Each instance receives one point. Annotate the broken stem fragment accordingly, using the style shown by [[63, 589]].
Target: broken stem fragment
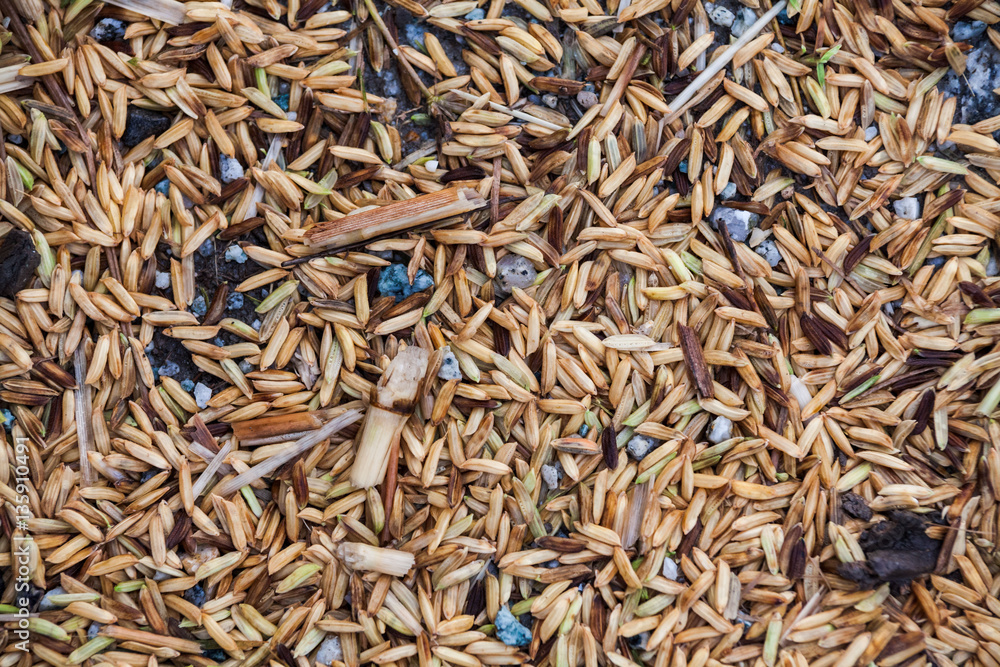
[[367, 558], [83, 410], [301, 446], [393, 401]]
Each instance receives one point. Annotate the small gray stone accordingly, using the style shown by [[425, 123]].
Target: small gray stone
[[871, 132], [744, 20], [46, 604], [907, 207], [509, 630], [551, 474], [550, 101], [722, 430], [198, 306], [230, 168], [202, 395], [477, 14], [169, 369], [162, 279], [721, 16], [736, 221], [450, 369], [329, 651], [891, 307], [640, 445], [111, 30], [207, 248], [993, 266], [670, 570], [587, 98], [964, 31], [769, 251], [514, 270]]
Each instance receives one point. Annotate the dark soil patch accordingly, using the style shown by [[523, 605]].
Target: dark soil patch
[[897, 551], [856, 506]]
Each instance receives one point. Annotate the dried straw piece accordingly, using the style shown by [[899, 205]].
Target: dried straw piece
[[168, 11], [395, 217]]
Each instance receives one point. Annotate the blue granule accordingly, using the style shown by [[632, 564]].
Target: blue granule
[[216, 655], [163, 187], [198, 306], [235, 301], [108, 30], [393, 281], [282, 101], [187, 385], [196, 596], [169, 369], [510, 631]]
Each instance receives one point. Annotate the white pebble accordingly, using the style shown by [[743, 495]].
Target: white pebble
[[777, 48], [202, 395], [449, 369], [431, 165], [907, 207], [162, 280], [670, 570], [722, 430], [871, 132], [719, 15], [234, 253], [514, 270], [329, 651]]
